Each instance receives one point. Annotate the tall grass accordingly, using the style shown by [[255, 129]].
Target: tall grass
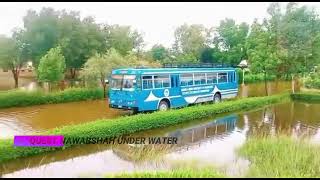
[[178, 169], [281, 157], [131, 124], [175, 173], [19, 98]]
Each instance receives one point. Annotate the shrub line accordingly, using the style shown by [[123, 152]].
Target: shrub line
[[20, 98], [306, 97]]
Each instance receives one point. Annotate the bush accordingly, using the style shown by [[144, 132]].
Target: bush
[[309, 97], [252, 78], [312, 83], [19, 98], [130, 124]]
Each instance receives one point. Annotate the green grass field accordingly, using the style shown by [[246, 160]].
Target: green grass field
[[281, 157]]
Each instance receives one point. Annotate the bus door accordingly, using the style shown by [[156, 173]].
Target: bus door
[[231, 77], [175, 88]]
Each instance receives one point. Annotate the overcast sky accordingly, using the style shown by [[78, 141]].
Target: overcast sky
[[157, 20]]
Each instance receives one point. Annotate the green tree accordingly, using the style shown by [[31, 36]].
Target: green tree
[[132, 60], [123, 39], [186, 58], [99, 67], [41, 32], [190, 40], [287, 43], [262, 56], [79, 39], [209, 55], [52, 66], [13, 54], [159, 52], [300, 30], [295, 38], [230, 41]]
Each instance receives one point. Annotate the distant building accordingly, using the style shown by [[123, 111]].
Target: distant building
[[28, 67]]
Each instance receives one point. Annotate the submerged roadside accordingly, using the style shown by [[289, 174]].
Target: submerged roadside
[[131, 124]]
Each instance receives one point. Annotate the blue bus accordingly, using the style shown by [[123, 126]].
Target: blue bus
[[149, 89]]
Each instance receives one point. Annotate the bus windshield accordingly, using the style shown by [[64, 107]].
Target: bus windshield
[[122, 82]]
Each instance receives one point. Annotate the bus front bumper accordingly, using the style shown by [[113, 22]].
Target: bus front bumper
[[123, 107]]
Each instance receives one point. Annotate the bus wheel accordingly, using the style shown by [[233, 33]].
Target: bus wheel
[[217, 98], [163, 106], [135, 111]]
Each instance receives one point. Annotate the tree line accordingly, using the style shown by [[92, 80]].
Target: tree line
[[286, 44], [77, 39]]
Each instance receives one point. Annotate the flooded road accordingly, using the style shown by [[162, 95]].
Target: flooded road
[[26, 120], [210, 142]]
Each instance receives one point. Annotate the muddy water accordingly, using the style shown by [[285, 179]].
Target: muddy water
[[201, 143], [263, 89], [26, 81], [26, 120], [14, 121]]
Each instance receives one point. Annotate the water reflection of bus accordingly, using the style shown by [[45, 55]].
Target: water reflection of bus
[[187, 137], [219, 127]]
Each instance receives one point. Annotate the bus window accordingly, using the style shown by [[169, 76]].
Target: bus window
[[161, 81], [147, 82], [222, 77], [128, 82], [199, 78], [166, 81], [211, 78], [186, 80], [173, 84], [116, 81]]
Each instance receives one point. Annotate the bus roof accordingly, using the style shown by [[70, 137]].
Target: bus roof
[[168, 70]]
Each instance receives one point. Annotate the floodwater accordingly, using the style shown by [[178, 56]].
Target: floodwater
[[264, 89], [26, 120], [201, 143], [26, 81], [209, 142]]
